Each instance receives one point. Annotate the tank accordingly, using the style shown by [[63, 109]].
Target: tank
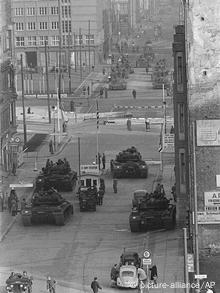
[[153, 211], [57, 175], [118, 84], [87, 199], [47, 207], [160, 75], [129, 164]]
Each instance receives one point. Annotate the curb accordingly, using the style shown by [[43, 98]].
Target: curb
[[3, 235]]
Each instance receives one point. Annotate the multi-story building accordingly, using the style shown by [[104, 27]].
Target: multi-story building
[[39, 22], [9, 150]]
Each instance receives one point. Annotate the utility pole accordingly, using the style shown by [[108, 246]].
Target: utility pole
[[74, 44], [165, 110], [22, 96], [60, 47], [195, 216], [47, 84], [80, 53], [79, 157], [89, 45], [69, 57]]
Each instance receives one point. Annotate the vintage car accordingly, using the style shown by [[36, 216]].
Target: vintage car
[[18, 283], [128, 277], [138, 196]]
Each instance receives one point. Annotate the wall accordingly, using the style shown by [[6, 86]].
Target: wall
[[204, 95]]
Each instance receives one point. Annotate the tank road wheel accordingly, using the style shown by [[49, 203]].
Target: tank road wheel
[[135, 227], [59, 219], [26, 221]]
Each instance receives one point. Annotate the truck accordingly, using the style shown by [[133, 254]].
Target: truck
[[154, 211], [129, 164], [47, 207]]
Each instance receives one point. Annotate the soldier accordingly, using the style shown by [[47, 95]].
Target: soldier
[[100, 197], [23, 204], [103, 161], [114, 274], [154, 275], [51, 147], [51, 285], [115, 185]]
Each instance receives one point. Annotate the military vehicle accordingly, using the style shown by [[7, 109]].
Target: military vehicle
[[47, 207], [87, 198], [57, 175], [142, 62], [138, 196], [153, 212], [17, 283], [117, 84], [129, 163], [160, 75]]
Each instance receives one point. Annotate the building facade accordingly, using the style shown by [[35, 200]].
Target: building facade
[[9, 149], [37, 22]]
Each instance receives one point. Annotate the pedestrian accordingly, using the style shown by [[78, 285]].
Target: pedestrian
[[103, 161], [114, 275], [29, 110], [98, 160], [93, 67], [95, 285], [14, 207], [129, 124], [172, 130], [51, 146], [88, 90], [100, 196], [134, 93], [14, 169], [115, 185], [142, 278], [103, 71], [147, 124], [101, 93], [23, 204], [51, 284], [64, 126], [154, 275]]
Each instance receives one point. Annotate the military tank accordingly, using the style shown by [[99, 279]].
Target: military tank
[[129, 164], [57, 175], [47, 207], [160, 75], [154, 211]]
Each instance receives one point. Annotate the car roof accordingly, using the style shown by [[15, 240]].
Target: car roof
[[140, 191], [128, 268]]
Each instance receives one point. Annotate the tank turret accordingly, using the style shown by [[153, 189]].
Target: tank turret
[[49, 197]]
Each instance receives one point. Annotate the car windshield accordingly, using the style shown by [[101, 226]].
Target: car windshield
[[127, 274]]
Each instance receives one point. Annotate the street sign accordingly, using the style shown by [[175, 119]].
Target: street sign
[[200, 277], [21, 185], [17, 139], [146, 254], [147, 261], [190, 262]]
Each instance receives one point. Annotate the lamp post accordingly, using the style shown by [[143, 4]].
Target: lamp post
[[22, 95]]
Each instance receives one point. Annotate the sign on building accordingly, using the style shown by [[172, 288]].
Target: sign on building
[[190, 263], [208, 132], [168, 143], [92, 169], [212, 201], [208, 218]]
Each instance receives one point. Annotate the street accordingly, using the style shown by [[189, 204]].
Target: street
[[92, 242]]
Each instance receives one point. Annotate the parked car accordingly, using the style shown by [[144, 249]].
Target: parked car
[[128, 277]]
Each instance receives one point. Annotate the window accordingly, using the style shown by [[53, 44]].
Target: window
[[19, 11], [32, 41], [31, 11], [43, 39], [91, 38], [19, 42], [55, 41], [43, 10], [31, 26], [43, 25], [179, 71], [55, 25], [19, 26], [182, 170], [54, 10], [66, 26], [78, 38], [181, 120]]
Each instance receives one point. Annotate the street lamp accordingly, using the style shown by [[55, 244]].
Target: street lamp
[[54, 127]]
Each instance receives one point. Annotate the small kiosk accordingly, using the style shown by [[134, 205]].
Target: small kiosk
[[90, 176]]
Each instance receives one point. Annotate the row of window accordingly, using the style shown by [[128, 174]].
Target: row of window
[[65, 10], [43, 25], [52, 41]]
